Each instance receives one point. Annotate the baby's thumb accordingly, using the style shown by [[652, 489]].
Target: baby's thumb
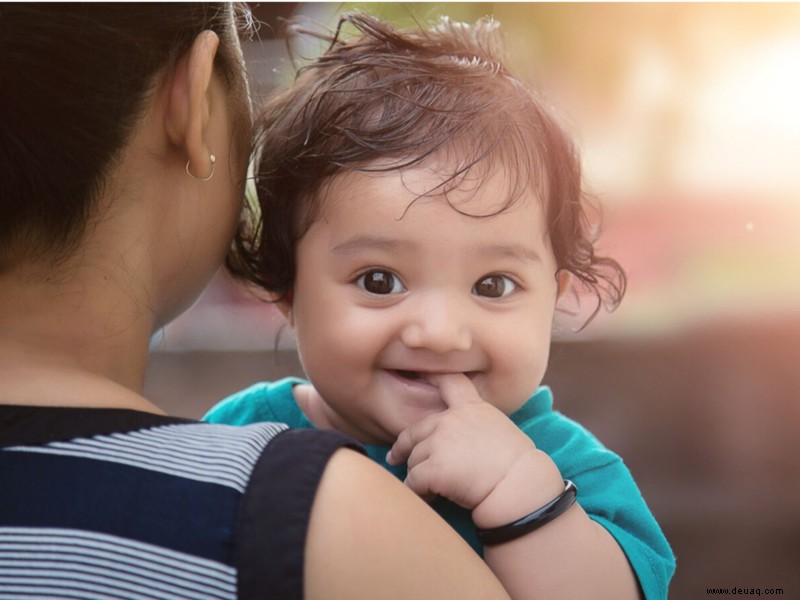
[[304, 395], [312, 405]]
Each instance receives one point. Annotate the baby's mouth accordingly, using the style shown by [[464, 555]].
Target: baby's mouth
[[423, 377], [412, 375]]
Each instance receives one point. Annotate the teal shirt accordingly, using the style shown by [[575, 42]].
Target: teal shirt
[[606, 489]]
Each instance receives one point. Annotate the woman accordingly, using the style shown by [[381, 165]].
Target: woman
[[123, 159]]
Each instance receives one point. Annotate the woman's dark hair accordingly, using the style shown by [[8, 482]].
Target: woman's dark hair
[[403, 96], [73, 80]]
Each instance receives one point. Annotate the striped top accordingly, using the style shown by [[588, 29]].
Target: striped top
[[100, 504]]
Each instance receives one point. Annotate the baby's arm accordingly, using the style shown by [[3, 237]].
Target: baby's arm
[[475, 456]]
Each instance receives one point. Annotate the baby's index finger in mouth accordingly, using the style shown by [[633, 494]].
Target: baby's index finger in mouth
[[456, 388]]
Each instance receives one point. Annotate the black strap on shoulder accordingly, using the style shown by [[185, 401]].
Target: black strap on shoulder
[[34, 425], [275, 511]]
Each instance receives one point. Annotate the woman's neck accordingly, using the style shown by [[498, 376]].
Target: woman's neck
[[72, 337]]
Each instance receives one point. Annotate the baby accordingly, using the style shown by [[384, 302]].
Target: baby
[[421, 216]]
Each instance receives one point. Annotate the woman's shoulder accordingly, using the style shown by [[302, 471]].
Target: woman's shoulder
[[219, 503]]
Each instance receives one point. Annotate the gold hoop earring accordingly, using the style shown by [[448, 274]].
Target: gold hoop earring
[[212, 159]]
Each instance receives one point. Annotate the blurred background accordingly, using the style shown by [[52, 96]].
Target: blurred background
[[688, 119]]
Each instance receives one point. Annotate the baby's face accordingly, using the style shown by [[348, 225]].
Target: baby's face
[[390, 290]]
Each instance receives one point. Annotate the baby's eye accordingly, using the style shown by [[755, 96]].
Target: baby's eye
[[379, 281], [494, 286]]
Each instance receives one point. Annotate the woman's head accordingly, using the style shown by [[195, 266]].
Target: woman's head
[[389, 100], [75, 81]]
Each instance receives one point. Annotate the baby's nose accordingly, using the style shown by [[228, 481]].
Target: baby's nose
[[438, 326]]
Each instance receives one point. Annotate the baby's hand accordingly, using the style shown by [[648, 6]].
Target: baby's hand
[[470, 451], [312, 405]]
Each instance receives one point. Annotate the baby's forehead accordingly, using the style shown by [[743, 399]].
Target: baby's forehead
[[397, 213], [459, 178], [483, 189]]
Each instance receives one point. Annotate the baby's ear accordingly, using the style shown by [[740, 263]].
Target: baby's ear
[[284, 305], [564, 281]]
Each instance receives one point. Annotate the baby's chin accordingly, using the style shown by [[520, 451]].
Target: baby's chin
[[416, 416], [378, 434], [386, 434]]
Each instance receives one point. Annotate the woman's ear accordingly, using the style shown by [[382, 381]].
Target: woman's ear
[[187, 115]]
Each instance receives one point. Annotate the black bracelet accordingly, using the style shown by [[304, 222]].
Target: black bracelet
[[533, 521]]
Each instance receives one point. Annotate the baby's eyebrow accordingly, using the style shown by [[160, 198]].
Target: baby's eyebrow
[[519, 252], [370, 242]]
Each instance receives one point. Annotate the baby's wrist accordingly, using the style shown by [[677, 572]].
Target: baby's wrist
[[533, 521], [531, 482]]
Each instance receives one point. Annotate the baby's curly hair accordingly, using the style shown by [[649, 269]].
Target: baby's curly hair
[[388, 99]]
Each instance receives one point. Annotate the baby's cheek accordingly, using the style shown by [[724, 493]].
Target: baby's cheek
[[514, 385]]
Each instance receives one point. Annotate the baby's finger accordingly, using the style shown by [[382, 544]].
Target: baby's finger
[[420, 479], [456, 389], [409, 438], [304, 396]]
